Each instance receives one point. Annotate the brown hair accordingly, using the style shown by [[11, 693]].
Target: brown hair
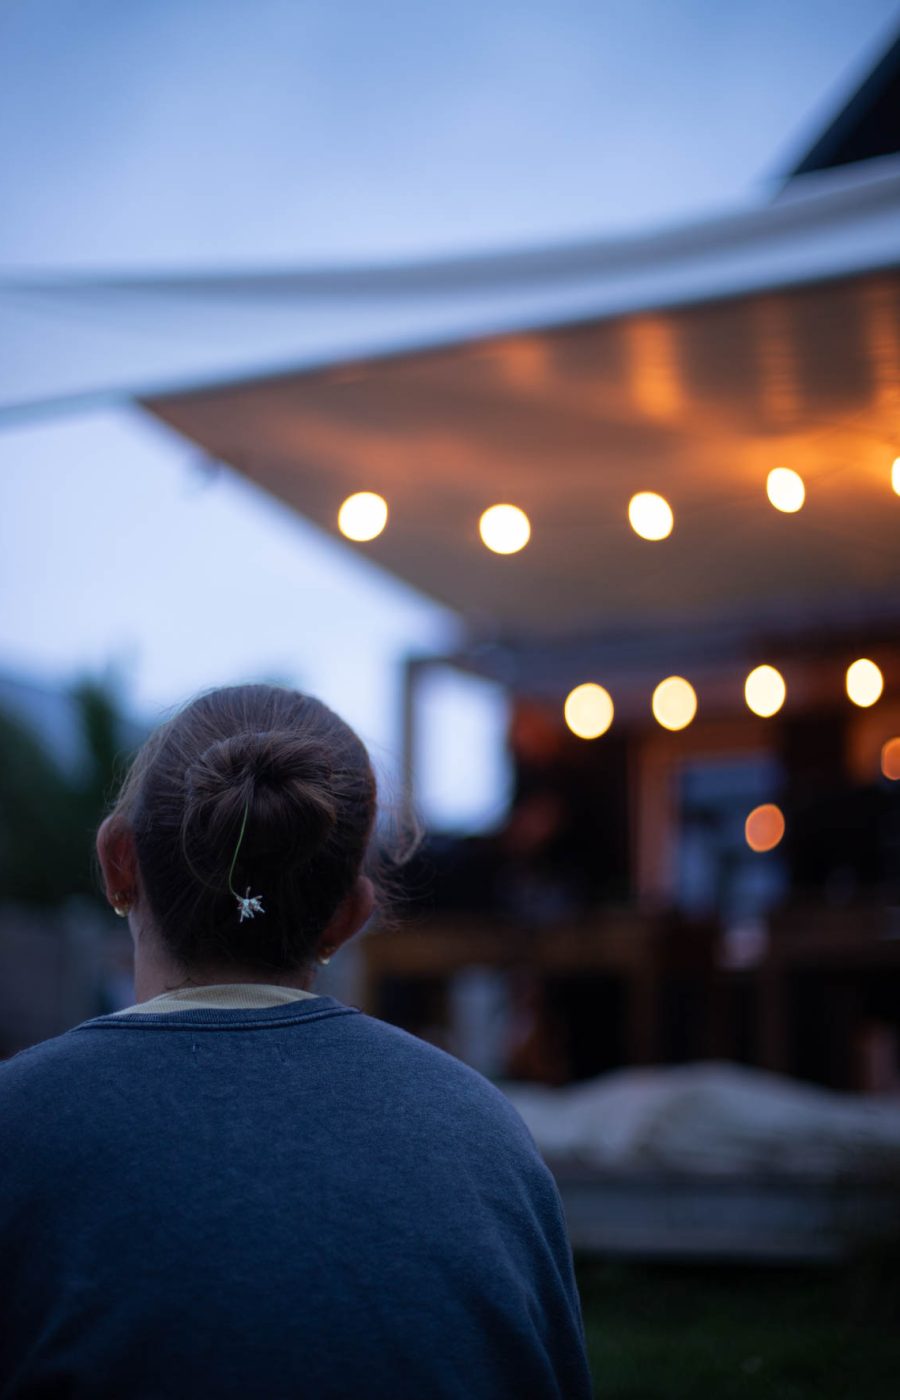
[[303, 778]]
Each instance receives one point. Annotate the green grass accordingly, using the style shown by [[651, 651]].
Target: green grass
[[676, 1333]]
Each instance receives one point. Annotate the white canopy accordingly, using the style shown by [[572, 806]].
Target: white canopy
[[687, 362], [87, 338]]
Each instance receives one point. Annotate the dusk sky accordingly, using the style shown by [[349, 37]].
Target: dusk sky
[[164, 134]]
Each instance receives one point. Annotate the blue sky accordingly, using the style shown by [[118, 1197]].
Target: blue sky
[[225, 131], [223, 134]]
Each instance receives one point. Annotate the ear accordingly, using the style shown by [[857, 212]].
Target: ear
[[352, 913], [118, 861]]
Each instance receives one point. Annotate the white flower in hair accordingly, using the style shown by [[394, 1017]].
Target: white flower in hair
[[250, 905]]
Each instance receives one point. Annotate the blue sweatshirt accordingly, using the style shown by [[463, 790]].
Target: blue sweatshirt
[[297, 1201]]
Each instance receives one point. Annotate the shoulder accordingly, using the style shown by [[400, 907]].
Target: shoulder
[[41, 1066], [26, 1063], [438, 1111], [47, 1097], [391, 1043], [425, 1078]]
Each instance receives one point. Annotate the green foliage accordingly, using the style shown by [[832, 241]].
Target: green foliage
[[37, 863], [49, 815]]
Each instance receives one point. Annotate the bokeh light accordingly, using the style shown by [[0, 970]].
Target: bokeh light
[[764, 827], [764, 691], [890, 760], [864, 682], [650, 516], [505, 529], [589, 710], [895, 475], [785, 489], [363, 516], [674, 703]]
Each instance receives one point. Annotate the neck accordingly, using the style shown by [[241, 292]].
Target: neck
[[155, 971]]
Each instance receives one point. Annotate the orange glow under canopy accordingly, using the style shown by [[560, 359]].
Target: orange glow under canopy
[[764, 827], [890, 760]]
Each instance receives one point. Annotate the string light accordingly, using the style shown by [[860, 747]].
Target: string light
[[589, 710], [785, 489], [765, 691], [764, 827], [890, 760], [650, 516], [505, 529], [363, 516], [674, 703], [864, 683]]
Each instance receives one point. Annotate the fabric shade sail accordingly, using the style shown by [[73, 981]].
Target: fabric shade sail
[[689, 362], [697, 403]]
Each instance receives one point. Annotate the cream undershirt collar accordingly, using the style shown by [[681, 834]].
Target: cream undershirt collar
[[222, 996]]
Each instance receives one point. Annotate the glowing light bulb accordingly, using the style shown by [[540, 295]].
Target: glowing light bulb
[[864, 683], [764, 827], [674, 703], [895, 475], [505, 529], [363, 516], [785, 489], [589, 710], [764, 691], [650, 516], [890, 760]]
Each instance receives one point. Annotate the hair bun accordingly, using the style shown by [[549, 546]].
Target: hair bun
[[284, 781]]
